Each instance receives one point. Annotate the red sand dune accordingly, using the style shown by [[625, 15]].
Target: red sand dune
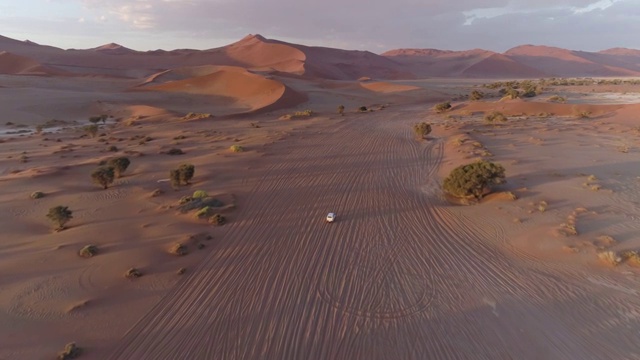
[[236, 86], [12, 64]]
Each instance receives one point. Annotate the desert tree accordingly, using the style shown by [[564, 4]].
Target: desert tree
[[473, 180], [422, 129], [103, 176], [119, 164], [60, 215]]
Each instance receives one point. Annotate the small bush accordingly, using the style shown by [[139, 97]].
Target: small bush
[[178, 249], [37, 195], [305, 113], [341, 110], [175, 151], [363, 109], [91, 130], [495, 116], [204, 212], [88, 251], [181, 271], [112, 148], [442, 107], [71, 351], [473, 180], [182, 175], [156, 193], [236, 148], [422, 129], [557, 99], [217, 220], [119, 164], [60, 215], [199, 194], [103, 176], [476, 95], [512, 94], [133, 273]]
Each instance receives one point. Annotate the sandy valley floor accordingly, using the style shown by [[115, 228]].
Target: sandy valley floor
[[402, 274]]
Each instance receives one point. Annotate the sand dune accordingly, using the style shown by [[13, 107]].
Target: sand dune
[[12, 64], [562, 62], [242, 89]]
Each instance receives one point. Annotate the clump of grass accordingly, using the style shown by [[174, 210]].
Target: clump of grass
[[181, 271], [36, 195], [133, 273], [236, 148], [88, 251], [71, 351], [542, 206], [196, 116], [557, 99], [442, 107], [204, 212], [178, 249], [156, 193], [217, 220], [199, 194], [631, 257], [363, 109], [495, 116], [609, 257]]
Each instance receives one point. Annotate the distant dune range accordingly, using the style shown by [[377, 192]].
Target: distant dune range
[[257, 53], [259, 74]]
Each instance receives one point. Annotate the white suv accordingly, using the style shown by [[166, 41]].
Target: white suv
[[331, 217]]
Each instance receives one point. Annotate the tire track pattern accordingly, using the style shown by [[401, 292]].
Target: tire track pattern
[[399, 275]]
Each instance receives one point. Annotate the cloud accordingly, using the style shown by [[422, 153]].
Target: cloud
[[374, 24]]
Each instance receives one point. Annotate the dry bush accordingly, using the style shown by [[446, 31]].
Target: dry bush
[[175, 151], [442, 107], [473, 180], [37, 195], [178, 249], [422, 129], [196, 116], [60, 215], [103, 176], [133, 273], [217, 220], [181, 271], [557, 99], [542, 206], [71, 351], [495, 116], [609, 257], [236, 148], [88, 251]]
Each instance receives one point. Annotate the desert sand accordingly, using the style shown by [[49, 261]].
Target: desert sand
[[530, 272]]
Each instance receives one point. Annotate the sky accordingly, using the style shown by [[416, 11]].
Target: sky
[[374, 25]]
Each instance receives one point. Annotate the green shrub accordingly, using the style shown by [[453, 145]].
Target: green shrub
[[88, 251], [422, 129], [495, 116], [473, 180], [119, 164], [60, 215], [217, 220], [199, 194], [236, 148], [442, 107], [103, 176], [37, 195], [71, 351]]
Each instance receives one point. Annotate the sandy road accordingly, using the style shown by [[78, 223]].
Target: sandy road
[[400, 275]]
